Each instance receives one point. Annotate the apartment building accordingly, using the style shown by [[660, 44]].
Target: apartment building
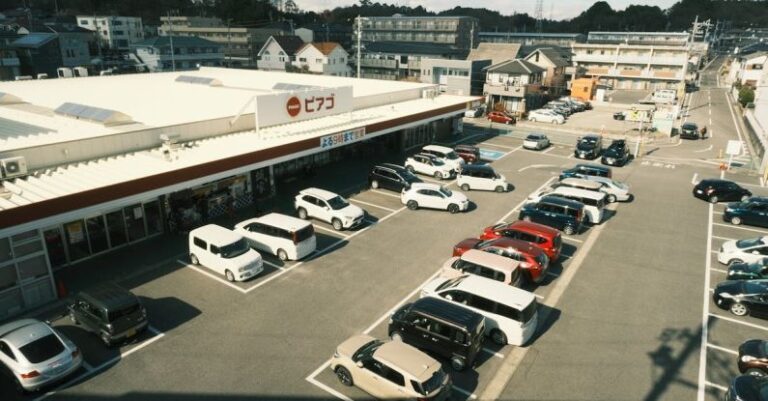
[[748, 69], [455, 77], [184, 53], [640, 38], [9, 60], [326, 32], [533, 38], [114, 32]]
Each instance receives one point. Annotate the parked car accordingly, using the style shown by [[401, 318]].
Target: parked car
[[748, 271], [441, 328], [501, 117], [558, 109], [484, 264], [753, 357], [510, 313], [563, 214], [545, 116], [536, 141], [389, 370], [619, 115], [750, 250], [616, 191], [470, 153], [281, 235], [691, 130], [617, 154], [557, 105], [329, 207], [444, 154], [474, 113], [533, 260], [35, 355], [716, 190], [391, 177], [753, 212], [586, 170], [433, 196], [743, 297], [429, 165], [546, 238], [589, 147], [109, 311], [578, 104], [747, 388], [593, 201], [481, 177], [224, 251]]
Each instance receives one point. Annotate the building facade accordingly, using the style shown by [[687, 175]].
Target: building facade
[[9, 60], [554, 78], [74, 44], [455, 77], [326, 32], [326, 58], [39, 53], [514, 86], [114, 32], [188, 53], [533, 38], [640, 38], [457, 32], [749, 69], [279, 52]]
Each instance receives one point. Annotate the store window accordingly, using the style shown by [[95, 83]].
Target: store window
[[32, 268], [97, 234], [27, 248], [10, 302], [8, 277], [38, 293], [77, 242], [116, 228], [154, 217], [5, 250], [134, 222], [54, 243]]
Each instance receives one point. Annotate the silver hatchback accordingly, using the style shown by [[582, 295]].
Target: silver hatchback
[[36, 354]]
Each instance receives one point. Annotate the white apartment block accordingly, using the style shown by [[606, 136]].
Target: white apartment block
[[326, 58], [749, 69], [115, 32]]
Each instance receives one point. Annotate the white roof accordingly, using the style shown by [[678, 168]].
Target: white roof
[[425, 185], [319, 193], [283, 221], [438, 148], [496, 291], [216, 234], [579, 192]]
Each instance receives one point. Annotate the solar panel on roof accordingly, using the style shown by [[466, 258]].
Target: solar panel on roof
[[292, 87], [104, 116], [198, 80]]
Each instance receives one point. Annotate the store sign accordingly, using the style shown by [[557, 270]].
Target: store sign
[[288, 107], [342, 138]]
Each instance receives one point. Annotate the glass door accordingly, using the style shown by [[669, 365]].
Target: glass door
[[154, 217], [54, 243], [97, 234], [134, 222], [116, 228], [77, 242]]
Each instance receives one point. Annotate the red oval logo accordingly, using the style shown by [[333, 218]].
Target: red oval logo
[[293, 106]]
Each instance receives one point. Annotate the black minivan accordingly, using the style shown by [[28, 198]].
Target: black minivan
[[391, 177], [563, 214], [109, 311], [442, 328]]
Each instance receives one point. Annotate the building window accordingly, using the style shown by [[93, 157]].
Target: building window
[[303, 59], [319, 61], [84, 22]]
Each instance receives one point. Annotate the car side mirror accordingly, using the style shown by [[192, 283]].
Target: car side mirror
[[755, 252], [449, 297], [359, 364]]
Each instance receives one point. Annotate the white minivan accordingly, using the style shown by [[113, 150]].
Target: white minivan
[[511, 313], [481, 176], [594, 202], [225, 252], [286, 237], [446, 154]]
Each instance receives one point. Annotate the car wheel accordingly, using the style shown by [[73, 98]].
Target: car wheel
[[458, 364], [453, 208], [105, 339], [282, 255], [465, 187], [499, 189], [499, 337], [303, 213], [713, 199], [73, 318], [344, 376], [228, 274], [337, 224], [437, 175], [410, 169], [375, 184], [744, 198], [611, 198], [739, 309], [412, 204], [192, 258], [569, 230], [754, 372], [395, 336], [735, 220]]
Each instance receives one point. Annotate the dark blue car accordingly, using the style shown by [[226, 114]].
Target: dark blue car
[[753, 212], [563, 214]]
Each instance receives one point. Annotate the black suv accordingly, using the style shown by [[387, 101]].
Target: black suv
[[715, 190], [617, 154], [580, 170], [392, 177], [441, 328], [554, 211], [109, 311], [692, 131], [753, 211], [588, 147]]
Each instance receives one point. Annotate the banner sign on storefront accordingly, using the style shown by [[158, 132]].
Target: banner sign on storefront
[[288, 107], [341, 138]]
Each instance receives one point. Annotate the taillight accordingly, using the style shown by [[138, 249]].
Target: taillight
[[457, 251], [30, 375], [710, 190], [294, 237]]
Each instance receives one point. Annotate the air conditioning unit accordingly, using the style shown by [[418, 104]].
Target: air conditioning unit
[[13, 167]]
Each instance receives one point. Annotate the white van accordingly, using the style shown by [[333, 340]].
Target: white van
[[594, 202], [446, 154], [511, 313], [286, 237], [225, 252], [484, 264], [481, 176], [616, 190]]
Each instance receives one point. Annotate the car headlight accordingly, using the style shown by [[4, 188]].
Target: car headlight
[[336, 354], [731, 273], [748, 358], [243, 268], [725, 295]]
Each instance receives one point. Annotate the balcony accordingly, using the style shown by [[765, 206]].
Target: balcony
[[510, 90], [594, 58], [643, 59], [378, 63], [621, 72]]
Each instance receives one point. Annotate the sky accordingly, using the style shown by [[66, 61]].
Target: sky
[[554, 9]]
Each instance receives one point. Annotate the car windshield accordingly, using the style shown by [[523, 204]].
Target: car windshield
[[432, 384], [408, 177], [447, 192], [585, 145], [533, 137], [337, 203], [451, 156], [450, 283], [750, 242], [618, 184], [367, 350], [42, 349], [689, 126], [234, 249]]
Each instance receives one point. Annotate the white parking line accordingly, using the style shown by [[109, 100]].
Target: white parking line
[[535, 166], [723, 238], [217, 278], [717, 386], [465, 392], [693, 180], [703, 150], [333, 392], [718, 270], [567, 238], [730, 351], [386, 194], [493, 353], [372, 204], [718, 213], [705, 313], [539, 296], [499, 146], [551, 148], [331, 231], [748, 324], [509, 153], [740, 228]]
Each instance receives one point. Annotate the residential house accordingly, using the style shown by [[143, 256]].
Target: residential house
[[455, 77], [326, 58], [39, 53], [279, 52], [554, 69], [748, 69], [9, 60], [533, 38], [188, 53], [114, 32], [514, 86], [326, 32], [496, 52]]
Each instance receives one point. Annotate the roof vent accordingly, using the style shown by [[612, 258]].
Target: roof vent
[[96, 114], [198, 80]]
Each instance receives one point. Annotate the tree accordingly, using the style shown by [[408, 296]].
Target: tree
[[746, 95]]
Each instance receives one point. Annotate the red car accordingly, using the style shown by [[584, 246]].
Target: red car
[[545, 237], [501, 117], [532, 259], [469, 153]]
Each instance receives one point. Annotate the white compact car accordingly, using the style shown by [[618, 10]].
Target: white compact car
[[536, 141], [545, 116], [445, 154], [429, 165], [481, 176], [433, 196], [750, 250], [225, 252], [616, 191], [474, 113], [329, 207]]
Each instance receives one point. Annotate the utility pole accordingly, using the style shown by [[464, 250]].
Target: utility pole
[[170, 38], [98, 39], [359, 34], [229, 42]]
